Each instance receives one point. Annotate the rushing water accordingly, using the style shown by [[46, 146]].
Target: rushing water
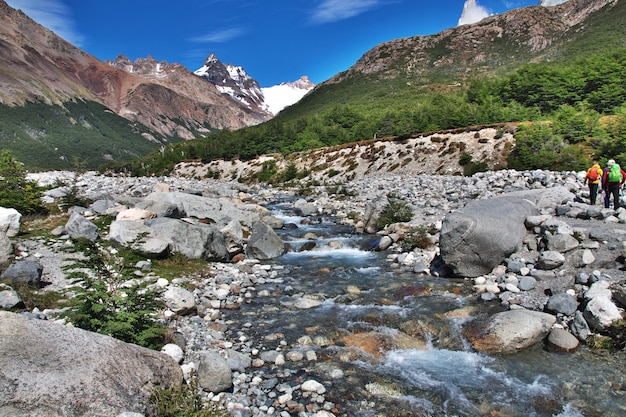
[[424, 366]]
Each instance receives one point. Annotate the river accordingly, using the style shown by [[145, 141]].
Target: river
[[389, 341]]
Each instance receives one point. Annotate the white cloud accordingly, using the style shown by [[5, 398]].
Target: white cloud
[[220, 35], [334, 10], [472, 13], [53, 14]]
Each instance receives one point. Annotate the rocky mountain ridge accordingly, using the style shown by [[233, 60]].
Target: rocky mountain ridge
[[467, 50]]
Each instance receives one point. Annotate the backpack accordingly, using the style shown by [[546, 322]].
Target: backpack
[[593, 175], [615, 173]]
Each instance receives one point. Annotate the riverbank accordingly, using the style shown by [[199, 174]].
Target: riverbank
[[281, 374]]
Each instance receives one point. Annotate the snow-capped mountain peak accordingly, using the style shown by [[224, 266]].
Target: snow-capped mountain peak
[[235, 82], [285, 94]]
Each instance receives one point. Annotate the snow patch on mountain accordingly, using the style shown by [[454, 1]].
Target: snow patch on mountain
[[283, 95]]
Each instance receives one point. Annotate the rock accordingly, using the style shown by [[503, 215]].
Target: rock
[[233, 237], [174, 351], [57, 371], [10, 221], [180, 300], [509, 331], [560, 340], [9, 298], [161, 209], [307, 303], [579, 327], [6, 249], [305, 208], [195, 241], [28, 272], [221, 210], [561, 242], [550, 260], [527, 283], [562, 303], [483, 234], [214, 374], [135, 213], [264, 243], [601, 313], [79, 227], [102, 206]]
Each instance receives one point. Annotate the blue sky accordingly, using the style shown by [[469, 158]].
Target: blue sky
[[274, 41]]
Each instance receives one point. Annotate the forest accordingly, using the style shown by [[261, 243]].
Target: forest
[[572, 112]]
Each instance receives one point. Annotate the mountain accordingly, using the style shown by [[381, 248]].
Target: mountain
[[498, 42], [145, 103], [285, 94], [235, 82]]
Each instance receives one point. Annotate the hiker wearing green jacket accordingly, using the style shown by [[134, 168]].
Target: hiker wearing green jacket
[[612, 181]]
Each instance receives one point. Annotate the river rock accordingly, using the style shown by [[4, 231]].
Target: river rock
[[180, 300], [10, 221], [509, 331], [550, 260], [214, 374], [79, 227], [56, 371], [9, 298], [6, 249], [27, 271], [264, 243], [483, 234], [562, 303], [560, 340], [220, 210], [195, 241]]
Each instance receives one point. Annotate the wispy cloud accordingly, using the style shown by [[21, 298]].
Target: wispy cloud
[[334, 10], [53, 14], [472, 13], [219, 36]]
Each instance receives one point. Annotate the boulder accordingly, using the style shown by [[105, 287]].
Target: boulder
[[560, 340], [79, 227], [483, 234], [10, 221], [27, 271], [562, 303], [6, 249], [220, 210], [233, 237], [51, 370], [195, 241], [9, 298], [264, 243], [135, 213], [509, 331], [214, 374], [180, 300]]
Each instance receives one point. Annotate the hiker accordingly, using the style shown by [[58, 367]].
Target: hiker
[[612, 180], [594, 174]]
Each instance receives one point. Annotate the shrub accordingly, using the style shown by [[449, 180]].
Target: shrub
[[108, 302], [15, 190], [395, 211], [184, 401]]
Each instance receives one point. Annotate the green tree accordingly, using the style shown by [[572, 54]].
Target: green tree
[[15, 190]]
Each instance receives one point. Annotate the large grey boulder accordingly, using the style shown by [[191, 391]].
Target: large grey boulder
[[509, 331], [79, 227], [50, 370], [214, 374], [220, 210], [195, 241], [483, 234], [10, 221], [264, 243], [27, 271]]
